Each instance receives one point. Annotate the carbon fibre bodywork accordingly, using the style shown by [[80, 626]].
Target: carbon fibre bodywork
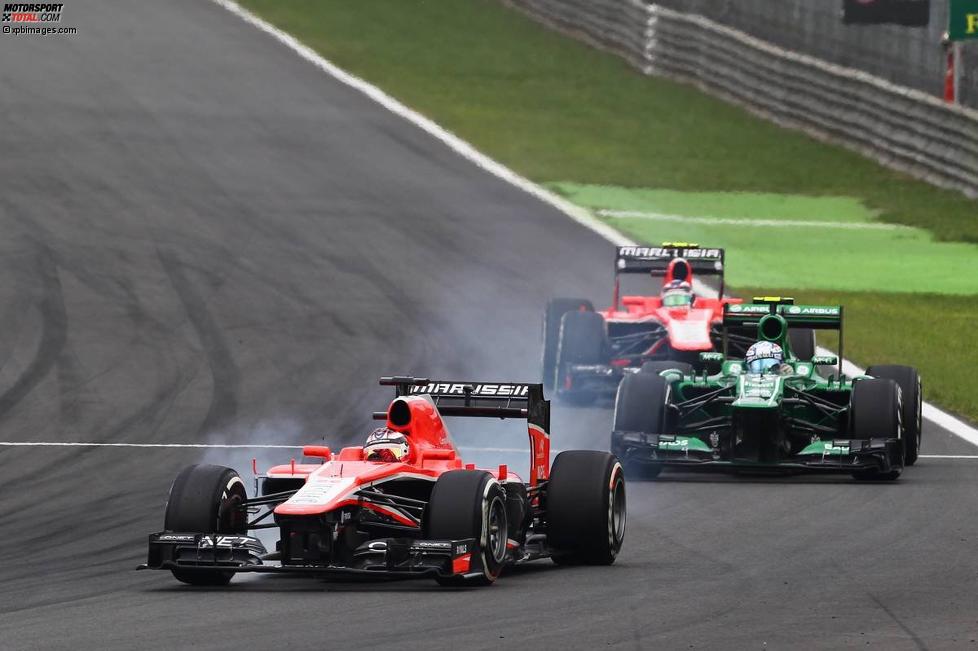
[[796, 420], [638, 328], [350, 514], [791, 417]]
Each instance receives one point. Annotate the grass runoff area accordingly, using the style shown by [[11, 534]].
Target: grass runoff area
[[662, 161]]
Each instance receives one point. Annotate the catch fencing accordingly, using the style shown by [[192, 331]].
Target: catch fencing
[[904, 127]]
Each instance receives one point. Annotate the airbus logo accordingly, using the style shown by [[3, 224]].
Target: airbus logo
[[813, 310]]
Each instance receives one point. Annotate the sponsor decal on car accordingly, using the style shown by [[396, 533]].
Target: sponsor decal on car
[[222, 541], [428, 544], [836, 447], [478, 390], [658, 252], [812, 310], [748, 308], [173, 537], [322, 490]]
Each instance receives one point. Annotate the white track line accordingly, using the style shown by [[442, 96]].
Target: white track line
[[467, 151], [76, 444], [728, 221], [73, 444], [940, 418], [66, 444]]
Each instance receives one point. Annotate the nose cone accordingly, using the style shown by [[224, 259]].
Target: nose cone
[[759, 391], [689, 329]]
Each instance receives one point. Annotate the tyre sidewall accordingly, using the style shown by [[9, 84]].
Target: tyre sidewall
[[581, 504], [459, 508], [581, 340], [876, 407], [911, 388], [552, 316]]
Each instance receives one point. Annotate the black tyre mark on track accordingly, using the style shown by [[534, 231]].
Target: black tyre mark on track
[[54, 326], [226, 378]]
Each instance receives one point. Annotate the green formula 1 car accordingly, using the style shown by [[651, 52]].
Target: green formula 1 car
[[787, 417]]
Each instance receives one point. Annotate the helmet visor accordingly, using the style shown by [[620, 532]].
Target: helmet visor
[[387, 452], [762, 365], [677, 299]]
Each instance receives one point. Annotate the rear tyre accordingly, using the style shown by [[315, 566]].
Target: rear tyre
[[640, 406], [802, 343], [206, 499], [470, 504], [908, 379], [875, 413], [586, 508], [582, 340], [556, 309]]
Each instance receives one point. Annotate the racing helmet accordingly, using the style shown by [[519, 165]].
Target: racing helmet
[[677, 293], [763, 356], [384, 444]]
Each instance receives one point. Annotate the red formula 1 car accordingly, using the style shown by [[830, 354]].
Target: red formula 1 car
[[415, 510], [586, 353]]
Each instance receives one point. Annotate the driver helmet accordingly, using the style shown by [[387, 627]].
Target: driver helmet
[[384, 444], [764, 356], [677, 293]]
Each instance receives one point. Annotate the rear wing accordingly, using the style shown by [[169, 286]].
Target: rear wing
[[815, 317], [655, 260], [675, 260], [487, 400]]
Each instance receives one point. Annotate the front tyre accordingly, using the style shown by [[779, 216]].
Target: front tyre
[[556, 309], [875, 412], [641, 405], [581, 340], [206, 499], [586, 508], [470, 504], [908, 379]]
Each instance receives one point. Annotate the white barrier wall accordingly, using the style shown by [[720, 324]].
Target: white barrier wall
[[903, 128]]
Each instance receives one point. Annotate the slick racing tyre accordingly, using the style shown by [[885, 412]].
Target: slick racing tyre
[[586, 508], [875, 412], [581, 340], [640, 406], [802, 343], [556, 309], [206, 499], [470, 504], [908, 380]]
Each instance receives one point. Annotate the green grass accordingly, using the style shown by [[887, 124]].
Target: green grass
[[556, 110], [865, 256], [881, 328]]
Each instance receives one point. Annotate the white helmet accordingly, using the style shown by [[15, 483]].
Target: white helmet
[[763, 356], [385, 444]]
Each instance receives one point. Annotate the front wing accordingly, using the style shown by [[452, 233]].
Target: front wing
[[848, 455], [389, 557]]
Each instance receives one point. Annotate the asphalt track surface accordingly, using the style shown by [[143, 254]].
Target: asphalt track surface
[[205, 239]]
